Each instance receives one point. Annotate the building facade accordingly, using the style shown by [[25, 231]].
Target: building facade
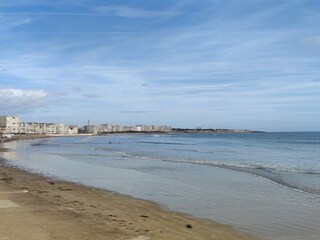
[[110, 128], [12, 125], [47, 129], [9, 124]]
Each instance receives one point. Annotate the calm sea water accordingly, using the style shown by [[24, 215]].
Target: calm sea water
[[264, 183]]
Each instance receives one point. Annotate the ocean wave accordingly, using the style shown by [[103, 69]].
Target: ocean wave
[[316, 142], [273, 173], [231, 164], [269, 173], [50, 144], [240, 166], [191, 150], [164, 143]]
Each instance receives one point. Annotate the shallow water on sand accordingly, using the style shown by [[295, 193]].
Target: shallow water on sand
[[271, 189]]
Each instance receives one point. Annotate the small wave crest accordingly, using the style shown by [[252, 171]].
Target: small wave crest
[[45, 143], [192, 150], [164, 143]]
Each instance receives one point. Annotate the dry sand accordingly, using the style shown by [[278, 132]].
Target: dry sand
[[33, 207]]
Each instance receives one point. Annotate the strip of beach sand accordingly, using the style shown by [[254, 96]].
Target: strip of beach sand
[[34, 207]]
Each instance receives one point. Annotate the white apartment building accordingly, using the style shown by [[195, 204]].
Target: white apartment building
[[47, 129], [33, 128], [109, 128], [12, 125], [9, 124]]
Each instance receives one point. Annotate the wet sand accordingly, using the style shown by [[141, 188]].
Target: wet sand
[[34, 207]]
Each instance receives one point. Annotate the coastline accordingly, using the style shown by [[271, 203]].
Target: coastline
[[37, 136], [22, 137], [92, 213]]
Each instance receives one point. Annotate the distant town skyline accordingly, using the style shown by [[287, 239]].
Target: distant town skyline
[[13, 125], [184, 63]]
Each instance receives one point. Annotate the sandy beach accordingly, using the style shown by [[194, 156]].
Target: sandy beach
[[34, 207]]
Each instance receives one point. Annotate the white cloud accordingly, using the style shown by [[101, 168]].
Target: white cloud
[[21, 22], [18, 100], [8, 23], [128, 12], [19, 93]]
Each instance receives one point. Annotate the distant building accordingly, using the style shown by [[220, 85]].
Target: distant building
[[33, 128], [73, 129], [9, 124], [12, 125], [109, 128], [92, 129], [47, 129]]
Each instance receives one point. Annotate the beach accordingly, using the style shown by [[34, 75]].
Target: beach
[[259, 184], [35, 207]]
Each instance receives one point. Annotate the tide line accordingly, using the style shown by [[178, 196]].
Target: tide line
[[22, 191]]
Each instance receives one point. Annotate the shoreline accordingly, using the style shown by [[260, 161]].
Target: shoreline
[[40, 136], [175, 131], [115, 215]]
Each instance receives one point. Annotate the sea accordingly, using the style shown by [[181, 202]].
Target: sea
[[266, 184]]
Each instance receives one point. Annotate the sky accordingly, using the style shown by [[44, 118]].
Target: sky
[[249, 64]]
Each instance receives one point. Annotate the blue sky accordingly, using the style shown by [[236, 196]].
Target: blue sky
[[251, 64]]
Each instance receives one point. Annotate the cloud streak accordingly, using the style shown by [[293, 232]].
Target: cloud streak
[[129, 12]]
